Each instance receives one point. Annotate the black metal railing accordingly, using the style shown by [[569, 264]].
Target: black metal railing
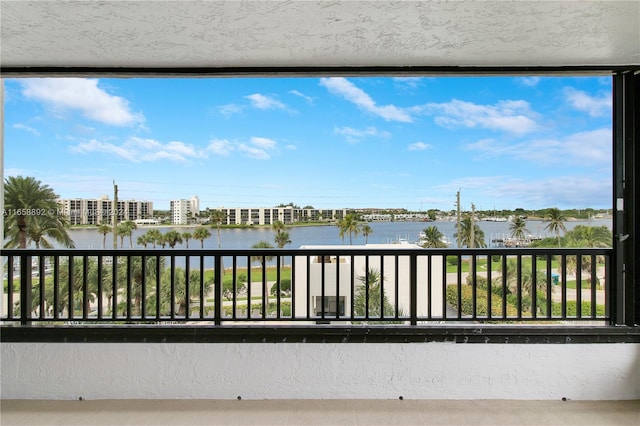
[[313, 286]]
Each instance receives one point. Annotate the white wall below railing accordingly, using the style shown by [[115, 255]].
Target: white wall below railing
[[320, 371]]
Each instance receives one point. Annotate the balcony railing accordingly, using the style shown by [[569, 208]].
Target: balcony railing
[[276, 287]]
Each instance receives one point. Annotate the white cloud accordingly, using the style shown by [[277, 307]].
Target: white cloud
[[584, 148], [264, 143], [561, 191], [264, 102], [220, 147], [408, 82], [230, 109], [419, 146], [342, 87], [529, 81], [355, 135], [26, 129], [254, 152], [82, 95], [509, 116], [258, 147], [510, 192], [309, 99], [595, 106], [138, 150], [106, 148]]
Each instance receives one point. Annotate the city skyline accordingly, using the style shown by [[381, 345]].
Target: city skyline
[[333, 142]]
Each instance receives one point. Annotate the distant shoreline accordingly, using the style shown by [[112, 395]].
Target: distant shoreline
[[296, 225]]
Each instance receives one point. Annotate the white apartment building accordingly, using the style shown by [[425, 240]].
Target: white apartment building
[[94, 211], [287, 215], [339, 286], [194, 205], [180, 211]]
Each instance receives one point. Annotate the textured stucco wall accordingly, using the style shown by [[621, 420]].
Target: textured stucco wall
[[320, 371], [319, 33]]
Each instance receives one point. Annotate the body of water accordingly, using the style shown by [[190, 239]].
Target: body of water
[[383, 232]]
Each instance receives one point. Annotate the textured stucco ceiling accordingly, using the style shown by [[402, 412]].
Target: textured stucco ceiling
[[318, 33]]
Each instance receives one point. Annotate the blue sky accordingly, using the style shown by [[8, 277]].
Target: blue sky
[[334, 142]]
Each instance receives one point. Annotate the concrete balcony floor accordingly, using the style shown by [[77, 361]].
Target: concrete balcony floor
[[319, 412]]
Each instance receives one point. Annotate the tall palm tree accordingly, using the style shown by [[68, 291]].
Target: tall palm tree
[[24, 199], [143, 240], [179, 290], [172, 238], [433, 238], [518, 228], [282, 239], [201, 233], [278, 226], [125, 229], [186, 236], [378, 304], [262, 259], [40, 227], [218, 217], [366, 231], [349, 225], [556, 222], [155, 237], [104, 229], [467, 237]]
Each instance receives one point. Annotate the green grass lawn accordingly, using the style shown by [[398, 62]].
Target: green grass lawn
[[586, 284]]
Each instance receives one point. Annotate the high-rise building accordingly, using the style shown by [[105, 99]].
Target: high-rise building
[[94, 211], [180, 210]]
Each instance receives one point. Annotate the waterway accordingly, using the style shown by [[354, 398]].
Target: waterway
[[383, 232]]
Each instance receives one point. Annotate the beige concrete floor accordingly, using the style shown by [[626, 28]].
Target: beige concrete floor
[[318, 412]]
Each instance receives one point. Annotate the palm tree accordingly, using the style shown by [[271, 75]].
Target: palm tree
[[278, 226], [24, 199], [155, 237], [179, 290], [186, 236], [218, 217], [590, 236], [366, 231], [125, 229], [262, 259], [370, 285], [201, 233], [467, 237], [518, 228], [282, 239], [143, 240], [433, 238], [349, 225], [556, 222], [40, 226], [104, 229], [172, 238]]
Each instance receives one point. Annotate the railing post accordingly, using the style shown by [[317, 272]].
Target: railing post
[[413, 283], [217, 294], [25, 290]]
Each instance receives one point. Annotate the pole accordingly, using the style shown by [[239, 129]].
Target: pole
[[114, 213], [458, 235], [472, 231]]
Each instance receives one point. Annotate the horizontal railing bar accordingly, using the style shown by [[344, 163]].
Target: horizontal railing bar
[[397, 286], [304, 252]]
